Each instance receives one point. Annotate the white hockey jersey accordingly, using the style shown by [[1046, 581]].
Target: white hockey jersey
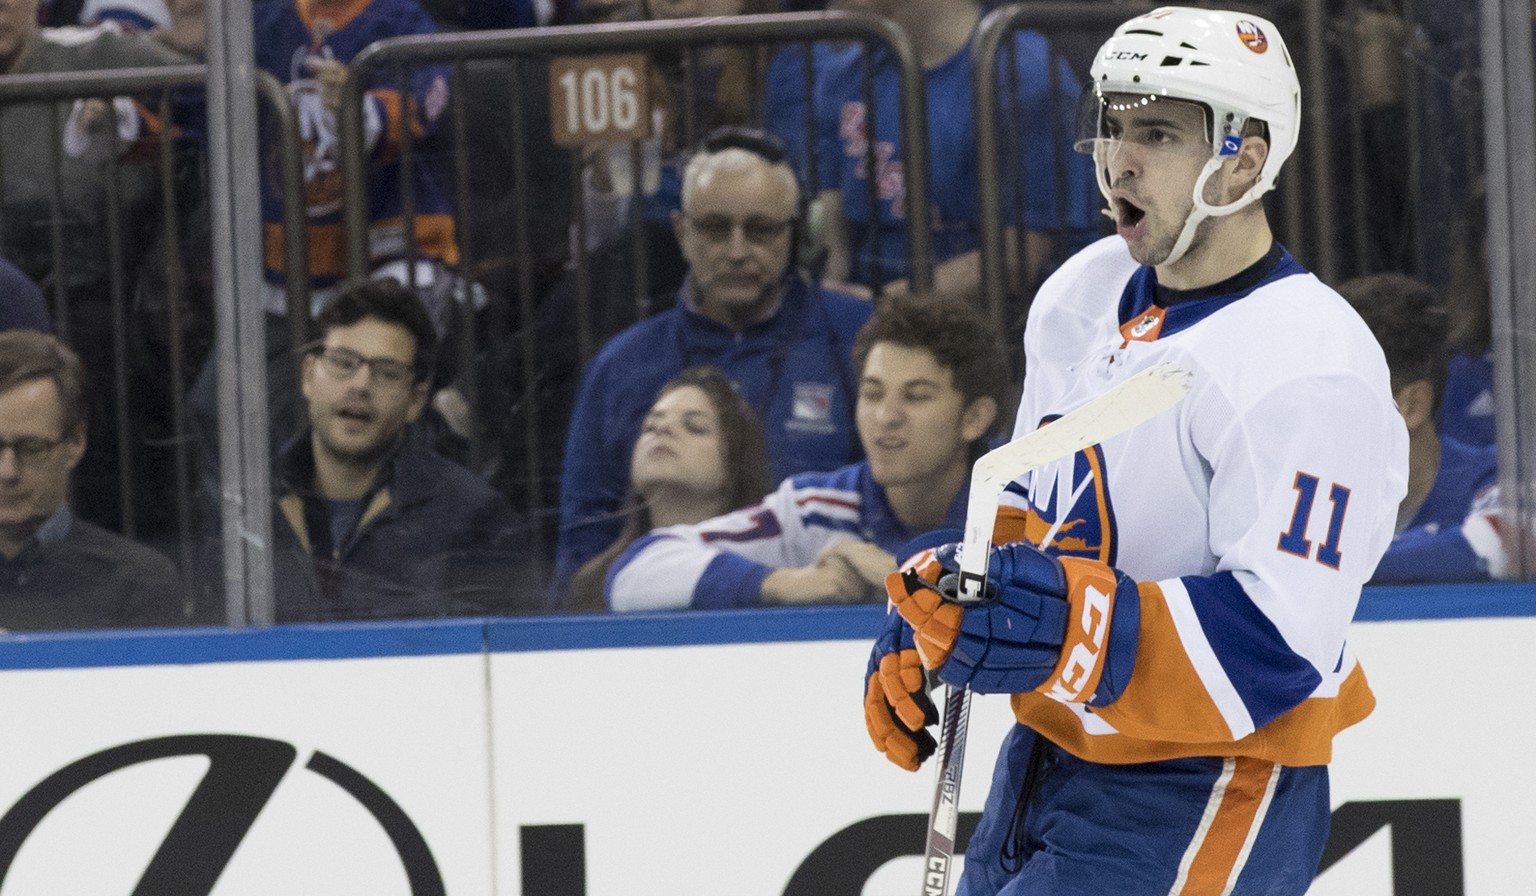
[[722, 562], [1249, 515]]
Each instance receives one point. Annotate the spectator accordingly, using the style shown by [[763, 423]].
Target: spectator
[[744, 309], [25, 49], [701, 452], [869, 248], [931, 375], [690, 95], [372, 524], [58, 571], [1447, 524], [101, 152], [308, 46], [21, 302]]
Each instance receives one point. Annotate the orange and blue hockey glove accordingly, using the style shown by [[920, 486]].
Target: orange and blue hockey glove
[[1067, 627], [897, 709]]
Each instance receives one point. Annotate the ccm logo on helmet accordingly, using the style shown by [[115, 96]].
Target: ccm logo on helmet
[[1252, 36], [1125, 55]]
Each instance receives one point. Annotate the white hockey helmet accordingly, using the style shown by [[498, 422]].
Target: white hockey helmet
[[1234, 64]]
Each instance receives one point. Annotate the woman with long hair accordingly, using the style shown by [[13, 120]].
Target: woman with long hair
[[701, 452]]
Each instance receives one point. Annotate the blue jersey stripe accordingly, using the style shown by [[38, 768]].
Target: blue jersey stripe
[[1268, 676]]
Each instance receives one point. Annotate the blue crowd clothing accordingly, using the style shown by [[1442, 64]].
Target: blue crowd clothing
[[1450, 538], [21, 301], [795, 369], [1036, 160], [290, 34], [1466, 405]]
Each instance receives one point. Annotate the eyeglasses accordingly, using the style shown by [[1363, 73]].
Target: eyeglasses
[[29, 449], [342, 363], [758, 231]]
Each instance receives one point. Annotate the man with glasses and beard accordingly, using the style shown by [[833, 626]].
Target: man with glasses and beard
[[372, 524]]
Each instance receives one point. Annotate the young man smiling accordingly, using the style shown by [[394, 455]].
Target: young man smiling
[[1168, 609], [929, 380]]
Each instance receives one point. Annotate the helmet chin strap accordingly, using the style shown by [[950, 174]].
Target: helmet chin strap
[[1203, 209]]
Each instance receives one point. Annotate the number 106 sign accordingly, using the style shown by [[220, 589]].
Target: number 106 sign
[[599, 99]]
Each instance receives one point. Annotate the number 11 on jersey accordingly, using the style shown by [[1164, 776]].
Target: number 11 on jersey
[[1294, 540]]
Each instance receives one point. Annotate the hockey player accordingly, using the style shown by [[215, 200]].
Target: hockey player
[[1168, 609], [930, 376]]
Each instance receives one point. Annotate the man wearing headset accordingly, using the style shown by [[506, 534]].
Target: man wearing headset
[[744, 308], [1168, 609]]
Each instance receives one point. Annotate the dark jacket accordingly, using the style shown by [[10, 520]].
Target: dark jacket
[[88, 578], [433, 540]]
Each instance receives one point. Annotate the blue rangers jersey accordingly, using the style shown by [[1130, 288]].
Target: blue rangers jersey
[[1250, 515], [1454, 536], [722, 562], [1055, 184]]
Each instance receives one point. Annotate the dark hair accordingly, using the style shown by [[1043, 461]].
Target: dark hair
[[953, 331], [753, 140], [744, 448], [27, 355], [389, 301], [1409, 321]]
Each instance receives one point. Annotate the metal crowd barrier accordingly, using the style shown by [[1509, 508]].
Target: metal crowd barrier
[[61, 88], [396, 55], [992, 34]]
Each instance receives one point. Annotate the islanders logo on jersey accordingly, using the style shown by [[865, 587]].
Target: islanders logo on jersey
[[1065, 508], [1252, 36]]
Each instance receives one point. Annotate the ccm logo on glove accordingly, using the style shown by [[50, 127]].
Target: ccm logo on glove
[[1083, 648]]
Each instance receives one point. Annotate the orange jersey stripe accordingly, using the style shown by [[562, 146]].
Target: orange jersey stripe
[[1165, 698], [1166, 712], [1232, 819], [1012, 525]]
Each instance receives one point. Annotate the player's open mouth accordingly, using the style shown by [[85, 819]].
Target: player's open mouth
[[1128, 214]]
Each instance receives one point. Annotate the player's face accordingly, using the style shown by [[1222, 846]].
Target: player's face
[[357, 413], [1152, 155], [735, 232], [680, 446], [911, 418], [37, 458]]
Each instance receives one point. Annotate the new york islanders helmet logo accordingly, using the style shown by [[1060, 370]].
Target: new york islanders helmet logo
[[1252, 36]]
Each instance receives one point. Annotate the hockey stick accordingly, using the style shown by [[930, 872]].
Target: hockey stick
[[1133, 402]]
